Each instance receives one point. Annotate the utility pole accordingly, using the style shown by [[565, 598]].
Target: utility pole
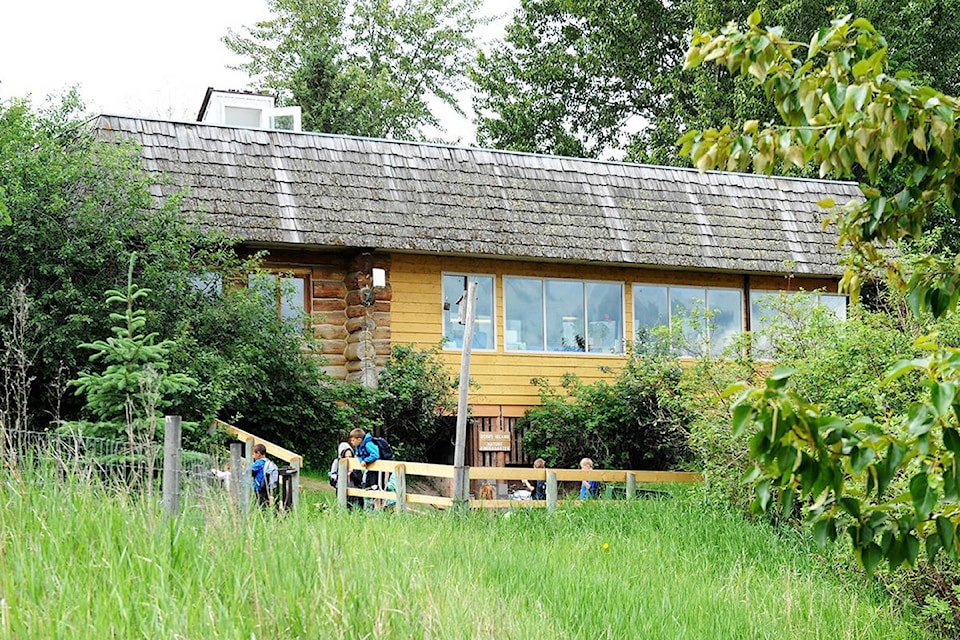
[[460, 487]]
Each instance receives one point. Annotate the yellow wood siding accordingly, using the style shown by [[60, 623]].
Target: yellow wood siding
[[503, 378]]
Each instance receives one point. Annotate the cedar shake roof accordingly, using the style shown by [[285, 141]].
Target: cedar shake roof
[[316, 190]]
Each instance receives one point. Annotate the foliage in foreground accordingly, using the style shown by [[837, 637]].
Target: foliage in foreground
[[83, 562], [843, 112]]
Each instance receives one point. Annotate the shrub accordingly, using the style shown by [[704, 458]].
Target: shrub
[[411, 406], [637, 422]]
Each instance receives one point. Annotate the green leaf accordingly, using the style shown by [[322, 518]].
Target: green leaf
[[754, 18], [778, 379], [824, 531], [933, 546], [924, 497], [741, 418], [851, 506], [904, 367], [946, 532], [911, 548], [870, 556], [951, 439], [942, 396], [860, 457]]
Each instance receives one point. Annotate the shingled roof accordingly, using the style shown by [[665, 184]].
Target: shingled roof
[[308, 189]]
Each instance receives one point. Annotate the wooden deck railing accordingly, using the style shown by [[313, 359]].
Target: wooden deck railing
[[294, 460], [403, 470]]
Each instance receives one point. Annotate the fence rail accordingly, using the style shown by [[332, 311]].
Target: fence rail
[[403, 470]]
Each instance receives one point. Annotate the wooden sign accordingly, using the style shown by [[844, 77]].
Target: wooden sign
[[493, 440]]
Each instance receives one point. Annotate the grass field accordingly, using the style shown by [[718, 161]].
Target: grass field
[[76, 562]]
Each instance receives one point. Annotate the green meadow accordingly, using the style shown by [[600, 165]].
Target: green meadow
[[79, 561]]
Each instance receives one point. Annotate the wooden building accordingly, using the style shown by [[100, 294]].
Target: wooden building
[[373, 238]]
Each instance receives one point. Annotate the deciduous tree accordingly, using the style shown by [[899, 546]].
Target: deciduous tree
[[893, 481], [363, 67]]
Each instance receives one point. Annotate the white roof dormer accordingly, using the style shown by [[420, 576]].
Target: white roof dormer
[[244, 109]]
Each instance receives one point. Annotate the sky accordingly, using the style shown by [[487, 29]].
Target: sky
[[134, 57]]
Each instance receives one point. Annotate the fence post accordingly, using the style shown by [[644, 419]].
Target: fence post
[[236, 449], [551, 491], [400, 487], [631, 486], [171, 464], [294, 485], [246, 480], [343, 479]]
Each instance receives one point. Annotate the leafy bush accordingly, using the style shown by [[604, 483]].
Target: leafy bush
[[411, 407], [638, 422]]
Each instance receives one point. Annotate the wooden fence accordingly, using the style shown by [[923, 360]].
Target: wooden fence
[[403, 470], [238, 469]]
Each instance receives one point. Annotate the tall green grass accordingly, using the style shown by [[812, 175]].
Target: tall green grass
[[78, 561]]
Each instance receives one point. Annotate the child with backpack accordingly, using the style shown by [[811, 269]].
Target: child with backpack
[[368, 449], [355, 480], [265, 475]]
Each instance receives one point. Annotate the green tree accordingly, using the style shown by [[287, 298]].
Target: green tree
[[570, 76], [362, 67], [81, 206], [640, 421], [136, 383], [595, 78], [893, 481]]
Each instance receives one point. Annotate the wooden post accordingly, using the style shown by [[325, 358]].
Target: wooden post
[[631, 486], [551, 491], [460, 481], [246, 480], [293, 485], [171, 465], [400, 487], [343, 479], [236, 449]]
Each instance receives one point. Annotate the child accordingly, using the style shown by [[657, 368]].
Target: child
[[588, 488], [537, 488], [265, 474], [367, 452], [354, 480]]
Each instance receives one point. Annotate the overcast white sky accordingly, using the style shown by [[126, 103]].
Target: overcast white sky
[[131, 57]]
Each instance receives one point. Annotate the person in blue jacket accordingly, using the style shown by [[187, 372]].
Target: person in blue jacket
[[367, 452], [265, 475], [588, 488]]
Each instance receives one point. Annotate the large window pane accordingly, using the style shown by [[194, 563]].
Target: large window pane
[[604, 317], [286, 294], [523, 309], [687, 305], [651, 309], [565, 318], [484, 334], [835, 303], [726, 317]]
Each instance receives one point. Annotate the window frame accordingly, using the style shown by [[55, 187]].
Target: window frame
[[705, 336], [449, 343], [619, 347], [279, 276]]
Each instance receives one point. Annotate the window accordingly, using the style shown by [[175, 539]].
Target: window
[[285, 292], [562, 315], [711, 317], [454, 287], [241, 116], [768, 308]]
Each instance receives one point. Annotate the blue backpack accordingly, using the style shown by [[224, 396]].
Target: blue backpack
[[386, 451]]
